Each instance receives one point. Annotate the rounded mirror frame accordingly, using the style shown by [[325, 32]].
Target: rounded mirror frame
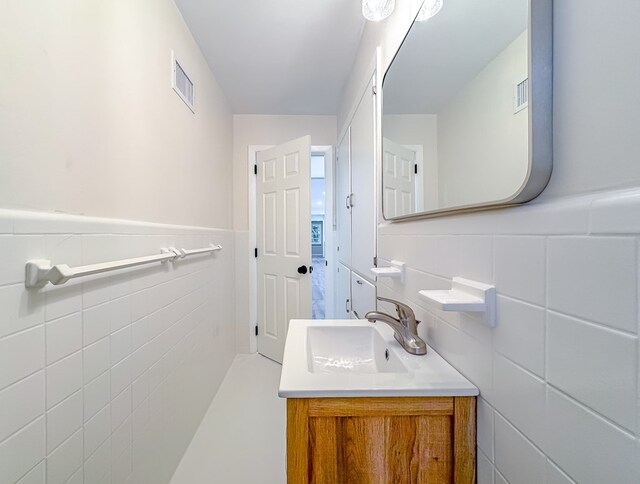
[[540, 62]]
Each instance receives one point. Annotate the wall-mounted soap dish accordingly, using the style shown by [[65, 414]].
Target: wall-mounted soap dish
[[465, 296], [395, 270]]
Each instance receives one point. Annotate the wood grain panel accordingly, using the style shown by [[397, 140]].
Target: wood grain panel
[[364, 456], [436, 450], [416, 441], [326, 450], [380, 407], [402, 449], [464, 440], [298, 441]]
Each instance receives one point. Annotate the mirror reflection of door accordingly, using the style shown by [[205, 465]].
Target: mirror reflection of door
[[399, 178]]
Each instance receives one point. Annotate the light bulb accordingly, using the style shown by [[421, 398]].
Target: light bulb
[[429, 9], [376, 10]]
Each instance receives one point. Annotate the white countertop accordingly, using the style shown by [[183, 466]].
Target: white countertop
[[428, 376]]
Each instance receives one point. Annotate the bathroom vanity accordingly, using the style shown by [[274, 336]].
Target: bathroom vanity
[[360, 409]]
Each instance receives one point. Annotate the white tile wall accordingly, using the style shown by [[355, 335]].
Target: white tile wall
[[104, 380], [559, 374]]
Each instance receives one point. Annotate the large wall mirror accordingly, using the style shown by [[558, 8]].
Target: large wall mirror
[[466, 109]]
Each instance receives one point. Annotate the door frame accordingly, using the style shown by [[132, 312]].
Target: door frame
[[329, 163]]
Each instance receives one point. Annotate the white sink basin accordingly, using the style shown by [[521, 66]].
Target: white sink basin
[[356, 358], [350, 349]]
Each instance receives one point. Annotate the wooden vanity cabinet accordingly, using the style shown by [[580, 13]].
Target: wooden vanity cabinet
[[389, 440]]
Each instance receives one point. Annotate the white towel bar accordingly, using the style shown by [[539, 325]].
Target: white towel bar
[[39, 272]]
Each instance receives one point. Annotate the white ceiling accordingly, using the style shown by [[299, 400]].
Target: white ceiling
[[443, 54], [278, 56]]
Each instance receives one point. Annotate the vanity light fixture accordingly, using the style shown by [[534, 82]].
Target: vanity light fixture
[[429, 9], [376, 10]]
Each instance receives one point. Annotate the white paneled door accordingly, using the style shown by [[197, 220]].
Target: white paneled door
[[284, 242], [399, 184]]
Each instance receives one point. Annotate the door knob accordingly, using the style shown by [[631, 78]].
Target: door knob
[[302, 270]]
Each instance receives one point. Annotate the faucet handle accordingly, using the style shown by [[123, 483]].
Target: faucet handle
[[404, 311]]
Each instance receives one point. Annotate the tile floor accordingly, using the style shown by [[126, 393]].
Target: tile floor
[[242, 437]]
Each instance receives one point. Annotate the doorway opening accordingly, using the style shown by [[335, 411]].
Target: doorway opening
[[318, 240]]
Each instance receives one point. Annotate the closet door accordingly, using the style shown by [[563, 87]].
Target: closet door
[[363, 185], [343, 197], [343, 292]]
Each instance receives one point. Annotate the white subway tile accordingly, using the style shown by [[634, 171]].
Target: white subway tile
[[20, 355], [21, 309], [6, 221], [519, 461], [585, 446], [498, 478], [520, 268], [120, 376], [122, 467], [120, 408], [140, 389], [77, 477], [96, 466], [15, 251], [140, 418], [149, 300], [476, 258], [65, 299], [596, 366], [519, 333], [97, 394], [140, 330], [594, 278], [63, 336], [556, 475], [96, 359], [485, 418], [96, 430], [520, 397], [65, 460], [103, 288], [22, 451], [63, 420], [95, 323], [36, 475], [485, 469], [121, 438], [141, 360], [616, 213], [120, 344], [102, 320], [21, 403], [64, 378], [121, 314]]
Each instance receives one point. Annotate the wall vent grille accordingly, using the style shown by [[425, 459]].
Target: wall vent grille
[[181, 83], [521, 96]]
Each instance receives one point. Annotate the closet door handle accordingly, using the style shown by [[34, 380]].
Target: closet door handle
[[347, 200], [346, 305], [359, 282]]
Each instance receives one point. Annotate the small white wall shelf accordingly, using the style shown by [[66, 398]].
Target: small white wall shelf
[[395, 270], [465, 296]]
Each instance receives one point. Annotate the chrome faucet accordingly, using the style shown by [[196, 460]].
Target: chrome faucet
[[405, 327]]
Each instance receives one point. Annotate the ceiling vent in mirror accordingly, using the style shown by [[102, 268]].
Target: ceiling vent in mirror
[[521, 96], [181, 83]]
